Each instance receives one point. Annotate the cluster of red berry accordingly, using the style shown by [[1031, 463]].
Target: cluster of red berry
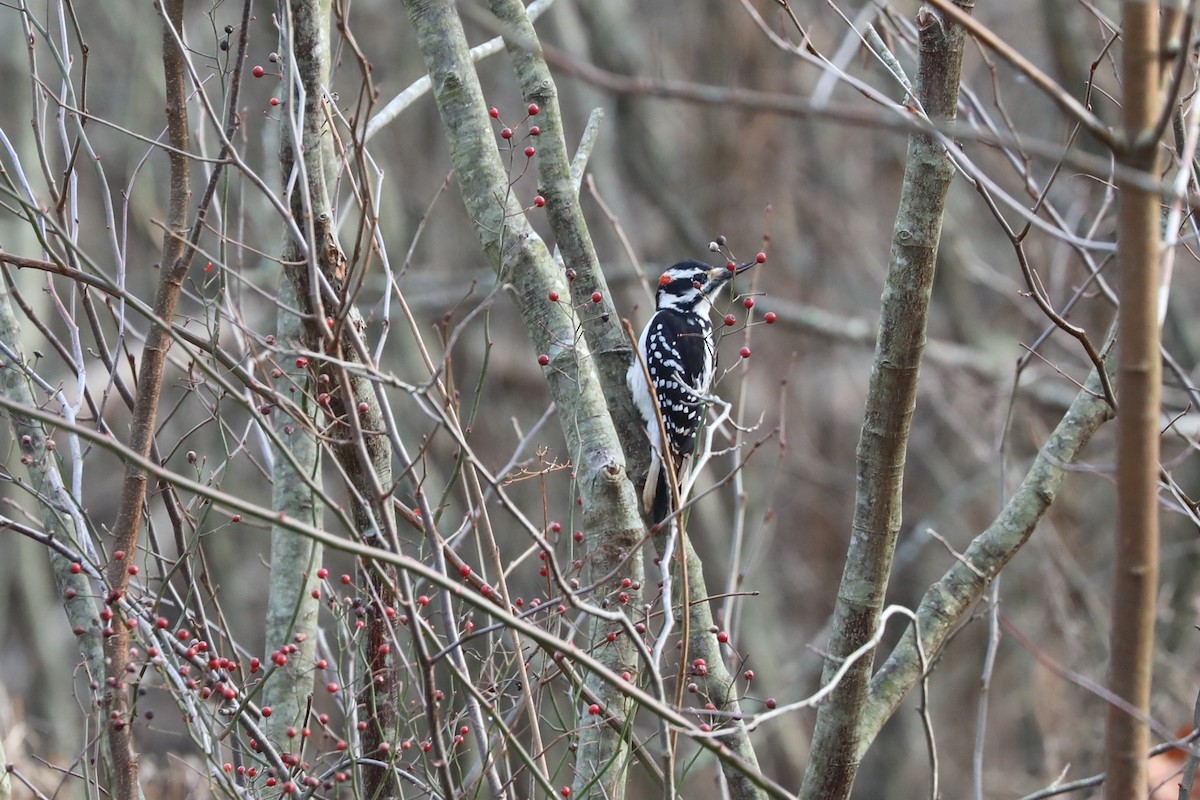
[[509, 133]]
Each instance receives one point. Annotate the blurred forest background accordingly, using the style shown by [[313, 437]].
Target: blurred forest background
[[817, 191]]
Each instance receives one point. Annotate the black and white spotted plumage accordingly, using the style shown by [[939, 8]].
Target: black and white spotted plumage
[[680, 354]]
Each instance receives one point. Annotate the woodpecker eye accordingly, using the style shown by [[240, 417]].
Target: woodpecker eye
[[664, 280]]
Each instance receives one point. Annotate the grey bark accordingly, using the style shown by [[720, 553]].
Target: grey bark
[[891, 401]]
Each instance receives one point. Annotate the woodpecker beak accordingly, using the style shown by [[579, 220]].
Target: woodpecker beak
[[722, 274]]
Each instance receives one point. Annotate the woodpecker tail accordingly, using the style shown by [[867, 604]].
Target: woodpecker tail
[[660, 508], [656, 496]]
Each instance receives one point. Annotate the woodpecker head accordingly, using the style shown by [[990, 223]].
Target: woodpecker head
[[693, 285]]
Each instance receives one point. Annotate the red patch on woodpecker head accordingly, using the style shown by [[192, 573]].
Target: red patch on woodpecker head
[[664, 280]]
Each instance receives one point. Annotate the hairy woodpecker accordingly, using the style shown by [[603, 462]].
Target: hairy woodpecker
[[680, 354]]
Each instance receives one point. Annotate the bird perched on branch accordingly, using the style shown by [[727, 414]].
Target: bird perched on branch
[[679, 353]]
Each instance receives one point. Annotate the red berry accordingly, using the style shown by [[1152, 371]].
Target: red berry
[[723, 637], [748, 675], [544, 360], [529, 151], [236, 518], [730, 320], [119, 555], [761, 258], [345, 580], [597, 297], [506, 133], [494, 112], [770, 317], [76, 568], [566, 791], [744, 352], [539, 201], [274, 101], [533, 109], [556, 527], [464, 570], [266, 711], [553, 297], [578, 535], [732, 267], [132, 569], [594, 709], [423, 600], [258, 72], [534, 130], [79, 630], [748, 302], [332, 688], [770, 702], [322, 573]]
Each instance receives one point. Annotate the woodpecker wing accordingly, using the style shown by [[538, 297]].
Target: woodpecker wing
[[680, 360]]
